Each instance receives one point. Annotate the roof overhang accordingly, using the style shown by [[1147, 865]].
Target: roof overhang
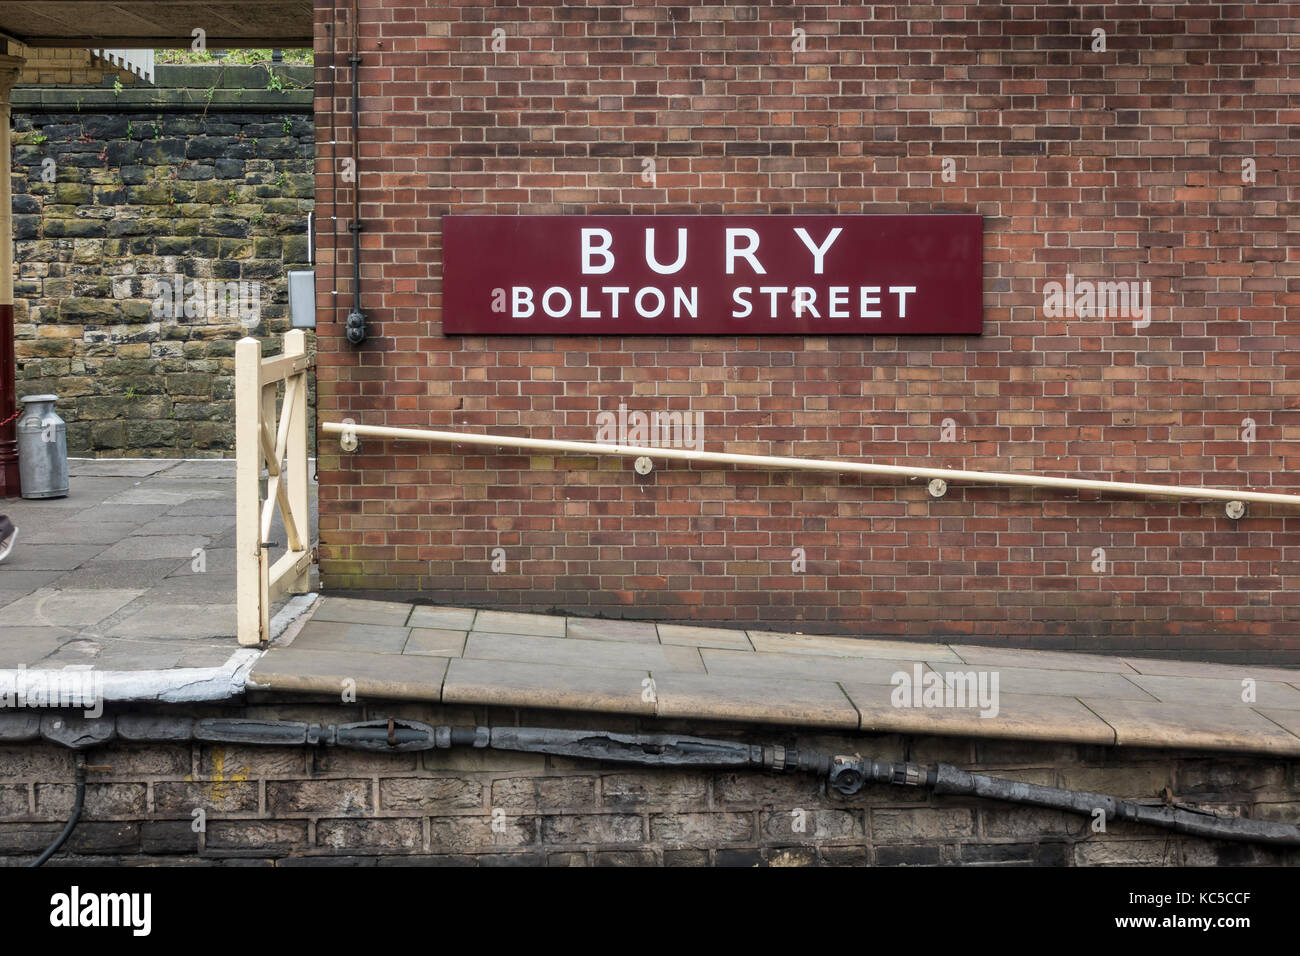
[[157, 23]]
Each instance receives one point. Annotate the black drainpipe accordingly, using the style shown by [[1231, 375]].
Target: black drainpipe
[[356, 327]]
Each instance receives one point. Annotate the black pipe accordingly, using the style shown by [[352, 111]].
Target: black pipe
[[845, 773], [77, 803], [356, 327]]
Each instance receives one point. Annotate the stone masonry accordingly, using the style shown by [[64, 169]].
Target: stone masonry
[[291, 806], [117, 192]]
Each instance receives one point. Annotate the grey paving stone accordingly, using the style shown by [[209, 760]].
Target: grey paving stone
[[1140, 723], [136, 575], [515, 684], [215, 655], [599, 629], [565, 651], [1049, 660], [177, 621], [8, 597], [763, 700], [337, 636], [210, 468], [786, 643], [78, 531], [24, 646], [803, 667], [216, 562], [356, 611], [67, 607], [1034, 680], [77, 651], [1170, 668], [439, 642], [1212, 692], [206, 525], [442, 618], [1288, 720], [693, 636], [186, 587], [49, 557], [202, 506], [118, 514], [12, 579], [1017, 716], [139, 655], [164, 494], [509, 622], [129, 467], [141, 547], [386, 676]]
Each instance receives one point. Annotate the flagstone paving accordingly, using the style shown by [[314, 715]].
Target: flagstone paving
[[688, 672], [133, 570]]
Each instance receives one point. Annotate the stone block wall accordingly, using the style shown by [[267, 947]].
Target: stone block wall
[[290, 806], [206, 177]]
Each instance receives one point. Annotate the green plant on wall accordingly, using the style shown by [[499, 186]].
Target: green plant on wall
[[40, 139], [117, 87]]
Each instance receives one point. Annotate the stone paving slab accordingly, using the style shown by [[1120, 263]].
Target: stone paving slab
[[779, 643], [362, 612], [761, 700], [344, 636], [508, 622], [515, 684], [692, 672], [442, 618], [67, 607], [439, 642], [693, 636], [390, 676], [1140, 723], [129, 467], [568, 652], [1017, 717], [106, 575]]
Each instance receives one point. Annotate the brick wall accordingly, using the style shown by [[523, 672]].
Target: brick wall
[[1126, 164], [298, 806]]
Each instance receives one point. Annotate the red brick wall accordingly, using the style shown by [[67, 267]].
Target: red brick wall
[[1116, 165]]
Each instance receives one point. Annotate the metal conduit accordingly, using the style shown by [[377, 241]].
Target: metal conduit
[[845, 773], [1236, 500]]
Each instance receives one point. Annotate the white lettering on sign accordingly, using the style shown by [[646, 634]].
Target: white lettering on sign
[[712, 274]]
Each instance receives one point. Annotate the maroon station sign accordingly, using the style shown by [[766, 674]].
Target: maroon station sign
[[712, 275]]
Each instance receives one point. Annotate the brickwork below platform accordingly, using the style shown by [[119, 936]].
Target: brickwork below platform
[[296, 806]]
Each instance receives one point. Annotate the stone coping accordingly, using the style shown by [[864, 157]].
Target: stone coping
[[400, 651]]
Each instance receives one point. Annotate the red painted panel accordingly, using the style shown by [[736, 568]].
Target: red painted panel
[[713, 275]]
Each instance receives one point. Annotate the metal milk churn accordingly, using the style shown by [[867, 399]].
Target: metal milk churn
[[42, 449]]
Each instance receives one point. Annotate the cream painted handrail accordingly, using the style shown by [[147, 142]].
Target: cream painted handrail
[[938, 477], [278, 442]]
